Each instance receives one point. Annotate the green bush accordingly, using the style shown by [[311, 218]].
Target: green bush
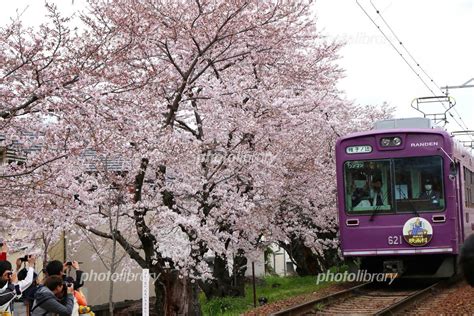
[[274, 288], [225, 306]]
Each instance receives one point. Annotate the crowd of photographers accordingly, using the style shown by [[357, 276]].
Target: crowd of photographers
[[50, 291], [53, 291]]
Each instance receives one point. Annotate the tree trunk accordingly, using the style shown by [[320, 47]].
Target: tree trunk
[[113, 268], [113, 224], [239, 269], [176, 295], [223, 283], [46, 242], [160, 293], [307, 262]]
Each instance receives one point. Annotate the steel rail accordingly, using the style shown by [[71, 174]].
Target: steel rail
[[309, 306], [396, 307], [403, 304]]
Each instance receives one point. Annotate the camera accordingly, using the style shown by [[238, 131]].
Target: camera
[[69, 263], [25, 258], [66, 285]]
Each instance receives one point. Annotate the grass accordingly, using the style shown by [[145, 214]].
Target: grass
[[273, 288]]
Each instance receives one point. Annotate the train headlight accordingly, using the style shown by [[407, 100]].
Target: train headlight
[[397, 141], [391, 141], [385, 142]]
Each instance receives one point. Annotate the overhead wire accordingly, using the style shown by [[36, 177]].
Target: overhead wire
[[399, 53], [406, 61], [465, 127], [393, 46]]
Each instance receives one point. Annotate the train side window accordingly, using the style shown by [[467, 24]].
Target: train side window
[[468, 188]]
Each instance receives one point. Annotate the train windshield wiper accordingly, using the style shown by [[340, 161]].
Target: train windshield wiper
[[404, 197], [377, 208], [413, 208]]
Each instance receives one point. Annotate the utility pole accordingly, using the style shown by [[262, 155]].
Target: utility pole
[[466, 143]]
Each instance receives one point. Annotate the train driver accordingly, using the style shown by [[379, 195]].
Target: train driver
[[429, 193]]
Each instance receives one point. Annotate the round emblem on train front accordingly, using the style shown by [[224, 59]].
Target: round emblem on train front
[[417, 231]]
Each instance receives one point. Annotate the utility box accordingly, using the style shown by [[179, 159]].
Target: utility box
[[413, 122]]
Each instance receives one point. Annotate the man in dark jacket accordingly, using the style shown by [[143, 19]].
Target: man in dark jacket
[[47, 298], [56, 267]]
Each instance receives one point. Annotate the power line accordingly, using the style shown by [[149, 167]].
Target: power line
[[406, 61], [401, 43], [418, 65], [393, 46]]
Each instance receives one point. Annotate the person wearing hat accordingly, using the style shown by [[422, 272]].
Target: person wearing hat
[[429, 193]]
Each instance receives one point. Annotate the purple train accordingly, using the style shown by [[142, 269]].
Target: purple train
[[405, 198]]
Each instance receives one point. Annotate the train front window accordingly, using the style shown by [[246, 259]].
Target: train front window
[[419, 184], [368, 186]]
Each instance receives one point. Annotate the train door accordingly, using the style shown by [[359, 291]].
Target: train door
[[459, 200]]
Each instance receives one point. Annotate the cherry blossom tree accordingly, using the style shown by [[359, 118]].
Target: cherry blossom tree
[[38, 66], [308, 213], [213, 123]]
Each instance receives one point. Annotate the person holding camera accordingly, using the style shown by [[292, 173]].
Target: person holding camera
[[56, 267], [10, 290], [63, 270], [49, 298], [10, 287], [22, 273]]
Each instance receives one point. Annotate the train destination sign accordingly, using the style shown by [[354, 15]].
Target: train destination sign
[[363, 149], [417, 231]]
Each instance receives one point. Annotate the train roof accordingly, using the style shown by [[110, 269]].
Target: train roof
[[401, 125], [395, 131]]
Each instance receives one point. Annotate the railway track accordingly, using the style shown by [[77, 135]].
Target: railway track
[[365, 299]]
